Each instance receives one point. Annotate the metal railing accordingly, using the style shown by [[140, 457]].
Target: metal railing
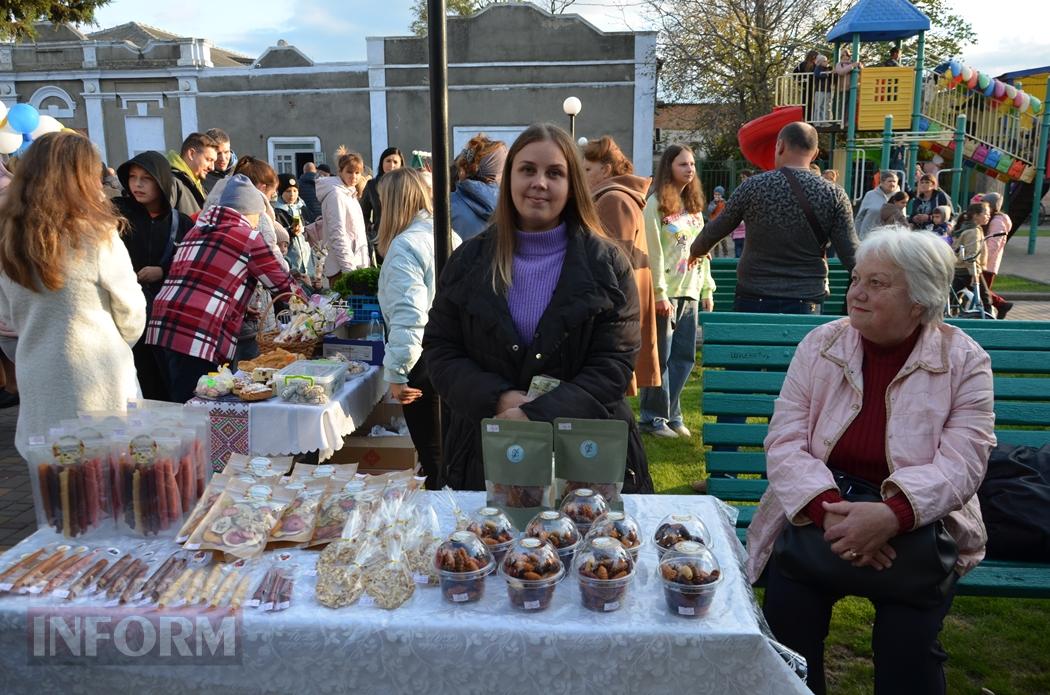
[[822, 99]]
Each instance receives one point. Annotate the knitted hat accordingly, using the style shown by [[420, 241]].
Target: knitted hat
[[286, 181], [242, 196], [720, 189]]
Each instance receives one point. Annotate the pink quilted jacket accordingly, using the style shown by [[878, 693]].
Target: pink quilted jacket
[[939, 432]]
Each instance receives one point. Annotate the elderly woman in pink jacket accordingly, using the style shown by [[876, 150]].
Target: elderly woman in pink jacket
[[894, 399]]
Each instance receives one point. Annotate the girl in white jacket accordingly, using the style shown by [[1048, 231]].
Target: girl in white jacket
[[344, 224], [406, 289]]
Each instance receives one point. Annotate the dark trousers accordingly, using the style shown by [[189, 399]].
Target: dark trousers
[[424, 426], [183, 373], [152, 371], [908, 658], [776, 305]]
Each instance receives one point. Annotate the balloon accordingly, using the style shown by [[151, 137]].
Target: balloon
[[1036, 106], [966, 73], [1019, 98], [1011, 92], [983, 81], [1000, 89], [972, 82], [23, 118], [1026, 101], [9, 140], [48, 124], [954, 82], [955, 68], [990, 89], [3, 114]]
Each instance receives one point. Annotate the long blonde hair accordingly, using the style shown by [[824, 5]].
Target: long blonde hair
[[54, 204], [403, 194], [579, 208]]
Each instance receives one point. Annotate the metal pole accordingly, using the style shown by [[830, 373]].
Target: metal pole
[[1040, 174], [887, 142], [957, 161], [572, 126], [912, 160], [439, 130], [851, 123]]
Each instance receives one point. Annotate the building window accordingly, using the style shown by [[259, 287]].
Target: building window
[[58, 102], [288, 155]]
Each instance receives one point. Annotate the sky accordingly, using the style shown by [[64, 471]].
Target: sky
[[1011, 33]]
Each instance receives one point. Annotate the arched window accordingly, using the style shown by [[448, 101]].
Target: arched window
[[54, 102]]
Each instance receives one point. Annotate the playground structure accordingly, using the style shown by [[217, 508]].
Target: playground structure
[[998, 127]]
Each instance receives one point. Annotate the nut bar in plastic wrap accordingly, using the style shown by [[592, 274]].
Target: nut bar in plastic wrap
[[146, 498], [590, 454], [242, 519], [518, 467], [70, 478]]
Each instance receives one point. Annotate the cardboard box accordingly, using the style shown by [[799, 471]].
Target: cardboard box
[[378, 454], [369, 351]]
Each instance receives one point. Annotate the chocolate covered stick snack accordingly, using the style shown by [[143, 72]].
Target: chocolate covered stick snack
[[32, 575], [121, 581], [167, 580], [136, 579], [71, 560], [22, 565], [158, 576], [87, 578], [69, 572], [118, 567]]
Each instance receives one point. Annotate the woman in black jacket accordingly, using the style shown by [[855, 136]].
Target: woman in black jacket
[[370, 206], [540, 292]]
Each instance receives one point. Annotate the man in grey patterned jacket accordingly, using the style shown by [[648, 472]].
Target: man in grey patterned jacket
[[783, 268]]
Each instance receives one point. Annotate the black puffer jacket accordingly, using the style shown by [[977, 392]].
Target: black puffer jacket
[[588, 337]]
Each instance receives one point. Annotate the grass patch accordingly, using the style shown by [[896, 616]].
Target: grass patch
[[1013, 283], [999, 644]]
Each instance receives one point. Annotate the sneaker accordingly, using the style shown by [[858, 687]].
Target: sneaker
[[663, 431], [699, 486], [1000, 311], [680, 429]]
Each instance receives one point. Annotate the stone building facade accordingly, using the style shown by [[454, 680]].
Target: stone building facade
[[132, 88]]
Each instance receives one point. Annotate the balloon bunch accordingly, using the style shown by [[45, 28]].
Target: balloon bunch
[[20, 125], [1002, 93]]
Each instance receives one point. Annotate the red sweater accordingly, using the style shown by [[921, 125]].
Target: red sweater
[[861, 450]]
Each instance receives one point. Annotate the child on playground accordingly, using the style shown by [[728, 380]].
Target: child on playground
[[893, 211], [941, 217], [821, 89], [970, 251]]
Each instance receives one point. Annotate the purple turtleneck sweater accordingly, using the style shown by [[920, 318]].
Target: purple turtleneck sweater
[[538, 258]]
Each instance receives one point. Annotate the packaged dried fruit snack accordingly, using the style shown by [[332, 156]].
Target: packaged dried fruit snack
[[590, 454], [518, 461], [531, 569], [146, 497], [674, 528], [340, 498], [558, 530], [216, 486], [495, 530], [241, 521], [462, 562], [604, 570], [263, 469], [583, 506], [306, 471], [421, 543], [691, 576], [620, 526], [71, 483], [296, 526]]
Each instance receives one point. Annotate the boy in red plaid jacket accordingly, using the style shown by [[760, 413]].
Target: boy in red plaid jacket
[[198, 312]]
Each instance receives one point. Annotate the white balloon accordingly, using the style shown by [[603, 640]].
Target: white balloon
[[48, 124], [3, 110], [9, 140]]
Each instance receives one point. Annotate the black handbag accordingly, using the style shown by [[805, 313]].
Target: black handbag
[[922, 574]]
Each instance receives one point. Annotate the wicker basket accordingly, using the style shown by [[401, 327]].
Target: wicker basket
[[267, 339]]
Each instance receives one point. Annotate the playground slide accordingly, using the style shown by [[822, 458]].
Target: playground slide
[[758, 138]]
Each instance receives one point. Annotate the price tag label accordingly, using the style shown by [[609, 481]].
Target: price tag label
[[531, 605], [460, 598], [420, 579], [686, 610], [614, 605], [6, 586], [252, 603], [60, 593], [366, 600]]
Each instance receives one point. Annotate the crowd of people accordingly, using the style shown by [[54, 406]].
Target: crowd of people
[[568, 265]]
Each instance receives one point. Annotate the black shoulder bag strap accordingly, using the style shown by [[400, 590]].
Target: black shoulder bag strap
[[814, 224]]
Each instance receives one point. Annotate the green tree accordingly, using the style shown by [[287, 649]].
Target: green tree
[[19, 15], [463, 8]]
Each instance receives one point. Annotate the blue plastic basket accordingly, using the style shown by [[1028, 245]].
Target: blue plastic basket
[[363, 306]]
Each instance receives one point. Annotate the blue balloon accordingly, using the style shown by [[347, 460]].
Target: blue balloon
[[955, 68], [23, 118], [990, 89]]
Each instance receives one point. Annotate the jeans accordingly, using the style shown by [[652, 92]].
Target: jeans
[[776, 305], [676, 347], [421, 416], [908, 658], [183, 373]]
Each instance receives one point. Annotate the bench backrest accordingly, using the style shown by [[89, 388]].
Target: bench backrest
[[723, 270], [745, 357]]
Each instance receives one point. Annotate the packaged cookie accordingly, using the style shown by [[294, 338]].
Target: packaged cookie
[[263, 469], [583, 506], [675, 528], [495, 530], [71, 483], [325, 470], [620, 526], [531, 569], [604, 570], [296, 526], [462, 562], [557, 529], [518, 466], [341, 497], [590, 454], [339, 573], [146, 499], [242, 519], [691, 576]]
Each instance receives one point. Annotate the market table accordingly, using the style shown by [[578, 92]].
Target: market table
[[431, 646], [277, 428]]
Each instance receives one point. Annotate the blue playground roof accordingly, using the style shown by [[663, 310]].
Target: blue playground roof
[[1018, 74], [879, 20]]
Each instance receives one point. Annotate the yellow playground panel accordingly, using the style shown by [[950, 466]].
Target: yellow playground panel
[[885, 92]]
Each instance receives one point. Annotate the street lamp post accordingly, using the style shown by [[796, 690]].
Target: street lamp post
[[572, 107]]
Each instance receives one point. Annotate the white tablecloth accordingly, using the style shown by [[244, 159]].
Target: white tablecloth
[[279, 428], [431, 646]]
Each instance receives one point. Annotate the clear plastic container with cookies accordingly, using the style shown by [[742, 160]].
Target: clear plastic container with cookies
[[691, 576], [604, 570], [583, 506], [620, 526], [531, 569], [675, 528], [495, 530], [558, 530], [462, 562]]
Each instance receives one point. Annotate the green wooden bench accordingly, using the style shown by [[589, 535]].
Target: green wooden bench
[[723, 270], [745, 357]]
